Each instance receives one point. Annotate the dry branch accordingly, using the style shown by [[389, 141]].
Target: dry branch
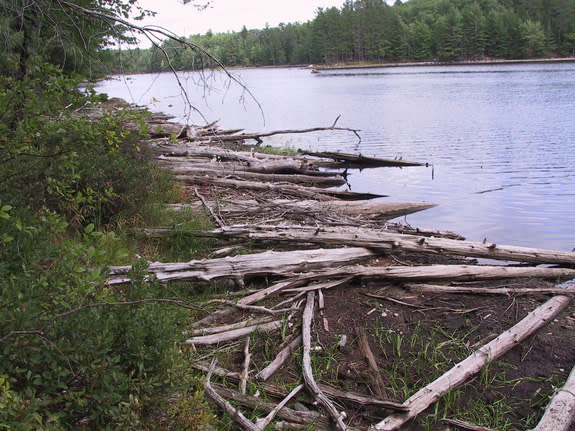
[[309, 380], [234, 334], [360, 161], [423, 398], [371, 362], [465, 425], [279, 360]]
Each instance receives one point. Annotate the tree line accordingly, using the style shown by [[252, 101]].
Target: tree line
[[373, 31]]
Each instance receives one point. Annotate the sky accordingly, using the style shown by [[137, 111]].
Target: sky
[[231, 15]]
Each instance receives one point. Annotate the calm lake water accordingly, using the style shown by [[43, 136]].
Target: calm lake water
[[500, 139]]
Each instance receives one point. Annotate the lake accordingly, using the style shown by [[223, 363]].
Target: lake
[[499, 139]]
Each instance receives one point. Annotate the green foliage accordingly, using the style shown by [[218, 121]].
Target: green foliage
[[372, 31]]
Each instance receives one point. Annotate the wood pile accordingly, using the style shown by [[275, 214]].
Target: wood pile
[[320, 244]]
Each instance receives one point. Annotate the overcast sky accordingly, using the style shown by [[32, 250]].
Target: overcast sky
[[231, 15]]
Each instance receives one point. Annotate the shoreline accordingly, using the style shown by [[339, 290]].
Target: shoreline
[[442, 63]]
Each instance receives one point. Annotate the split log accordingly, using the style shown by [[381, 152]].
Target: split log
[[284, 189], [381, 240], [249, 265], [360, 161], [560, 412], [435, 288], [423, 398]]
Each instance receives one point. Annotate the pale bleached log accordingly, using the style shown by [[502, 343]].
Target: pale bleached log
[[308, 378], [234, 334], [262, 423], [185, 174], [382, 240], [279, 360], [423, 398], [284, 189], [560, 412], [248, 265], [435, 288]]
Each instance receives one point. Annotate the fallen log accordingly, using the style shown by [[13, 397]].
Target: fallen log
[[360, 161], [368, 209], [248, 265], [183, 174], [285, 189], [560, 412], [233, 334], [423, 398], [382, 240], [436, 288]]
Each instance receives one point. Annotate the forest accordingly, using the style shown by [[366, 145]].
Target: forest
[[374, 32]]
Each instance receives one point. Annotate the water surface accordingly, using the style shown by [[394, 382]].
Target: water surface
[[500, 139]]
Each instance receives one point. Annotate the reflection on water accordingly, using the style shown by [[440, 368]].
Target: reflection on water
[[500, 139]]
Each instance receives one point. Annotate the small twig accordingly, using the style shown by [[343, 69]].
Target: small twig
[[465, 425]]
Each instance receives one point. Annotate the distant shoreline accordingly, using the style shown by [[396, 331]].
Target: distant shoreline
[[440, 63]]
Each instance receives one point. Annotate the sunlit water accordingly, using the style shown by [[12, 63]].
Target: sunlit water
[[500, 139]]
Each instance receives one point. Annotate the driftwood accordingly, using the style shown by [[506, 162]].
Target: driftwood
[[187, 175], [365, 209], [351, 398], [360, 161], [234, 334], [279, 360], [231, 326], [249, 265], [283, 189], [308, 378], [435, 288], [560, 412], [371, 362], [382, 240], [423, 398]]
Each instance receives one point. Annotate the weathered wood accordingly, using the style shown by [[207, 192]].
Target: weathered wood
[[279, 360], [423, 398], [184, 174], [435, 288], [465, 425], [283, 189], [234, 334], [360, 161], [371, 362], [343, 396], [560, 412], [365, 209], [308, 378], [249, 265], [300, 417], [382, 240]]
